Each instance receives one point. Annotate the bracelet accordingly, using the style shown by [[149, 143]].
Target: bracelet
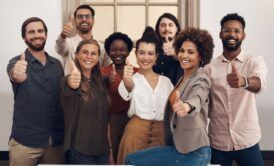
[[246, 82]]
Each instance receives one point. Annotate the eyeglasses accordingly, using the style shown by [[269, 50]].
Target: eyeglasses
[[82, 16], [230, 30]]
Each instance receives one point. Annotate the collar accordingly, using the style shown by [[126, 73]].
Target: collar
[[239, 57], [32, 59]]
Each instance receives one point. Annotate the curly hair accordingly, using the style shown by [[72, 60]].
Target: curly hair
[[201, 38], [118, 36]]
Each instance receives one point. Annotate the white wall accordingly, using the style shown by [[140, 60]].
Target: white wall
[[259, 17], [12, 14]]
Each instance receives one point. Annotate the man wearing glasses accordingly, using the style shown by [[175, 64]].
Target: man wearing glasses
[[236, 78], [66, 43]]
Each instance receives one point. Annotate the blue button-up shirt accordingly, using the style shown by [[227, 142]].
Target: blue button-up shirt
[[38, 113]]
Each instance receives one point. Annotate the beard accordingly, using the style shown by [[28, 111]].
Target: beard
[[36, 47], [231, 47], [85, 29]]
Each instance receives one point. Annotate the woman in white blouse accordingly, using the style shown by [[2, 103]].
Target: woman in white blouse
[[148, 94]]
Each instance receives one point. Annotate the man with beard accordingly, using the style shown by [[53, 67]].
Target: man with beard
[[167, 27], [66, 43], [37, 130], [236, 78]]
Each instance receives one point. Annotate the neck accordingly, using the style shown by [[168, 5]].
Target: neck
[[230, 55], [189, 72], [146, 73], [86, 35]]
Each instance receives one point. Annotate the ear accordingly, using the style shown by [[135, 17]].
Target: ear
[[244, 34], [220, 34]]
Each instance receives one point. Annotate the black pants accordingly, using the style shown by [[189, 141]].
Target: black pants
[[75, 157], [246, 157]]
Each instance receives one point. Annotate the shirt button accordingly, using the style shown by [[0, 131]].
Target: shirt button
[[162, 73], [162, 63]]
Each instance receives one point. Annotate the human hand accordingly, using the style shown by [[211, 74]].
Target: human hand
[[74, 78], [234, 79], [178, 106], [68, 28], [113, 74], [19, 70], [168, 47]]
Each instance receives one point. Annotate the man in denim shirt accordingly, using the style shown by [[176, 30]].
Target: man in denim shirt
[[37, 130]]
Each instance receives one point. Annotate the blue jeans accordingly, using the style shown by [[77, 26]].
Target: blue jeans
[[250, 156], [75, 157], [168, 155]]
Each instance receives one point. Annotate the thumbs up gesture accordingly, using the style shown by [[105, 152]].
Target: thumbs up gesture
[[234, 79], [178, 106], [127, 76], [168, 47], [113, 73], [19, 70], [74, 78], [68, 28]]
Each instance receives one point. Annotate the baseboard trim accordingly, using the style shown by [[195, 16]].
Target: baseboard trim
[[267, 155], [4, 155]]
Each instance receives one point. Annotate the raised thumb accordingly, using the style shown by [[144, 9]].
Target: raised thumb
[[233, 67], [177, 96], [23, 57]]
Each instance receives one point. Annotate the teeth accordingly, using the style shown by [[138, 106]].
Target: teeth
[[231, 41]]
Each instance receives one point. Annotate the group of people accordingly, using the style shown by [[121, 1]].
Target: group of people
[[97, 108]]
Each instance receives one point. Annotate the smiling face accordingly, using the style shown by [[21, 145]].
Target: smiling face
[[88, 57], [84, 21], [189, 57], [118, 52], [146, 56], [232, 35], [35, 36]]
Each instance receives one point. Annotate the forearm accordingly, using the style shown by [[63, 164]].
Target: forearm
[[61, 47], [254, 84]]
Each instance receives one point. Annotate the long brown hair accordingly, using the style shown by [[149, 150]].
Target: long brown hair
[[95, 75]]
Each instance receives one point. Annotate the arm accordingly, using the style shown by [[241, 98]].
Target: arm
[[61, 46], [199, 94]]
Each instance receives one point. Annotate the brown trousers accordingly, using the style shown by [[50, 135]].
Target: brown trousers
[[27, 156]]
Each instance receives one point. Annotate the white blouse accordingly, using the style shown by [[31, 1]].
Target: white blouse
[[145, 102]]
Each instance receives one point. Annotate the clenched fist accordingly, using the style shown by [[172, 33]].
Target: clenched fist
[[19, 70]]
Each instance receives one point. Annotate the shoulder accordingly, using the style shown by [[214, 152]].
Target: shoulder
[[201, 77]]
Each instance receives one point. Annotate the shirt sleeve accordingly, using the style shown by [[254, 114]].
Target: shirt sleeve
[[123, 91], [61, 46], [199, 94], [66, 91], [259, 70]]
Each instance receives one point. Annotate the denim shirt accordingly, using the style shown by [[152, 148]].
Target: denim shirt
[[38, 113]]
